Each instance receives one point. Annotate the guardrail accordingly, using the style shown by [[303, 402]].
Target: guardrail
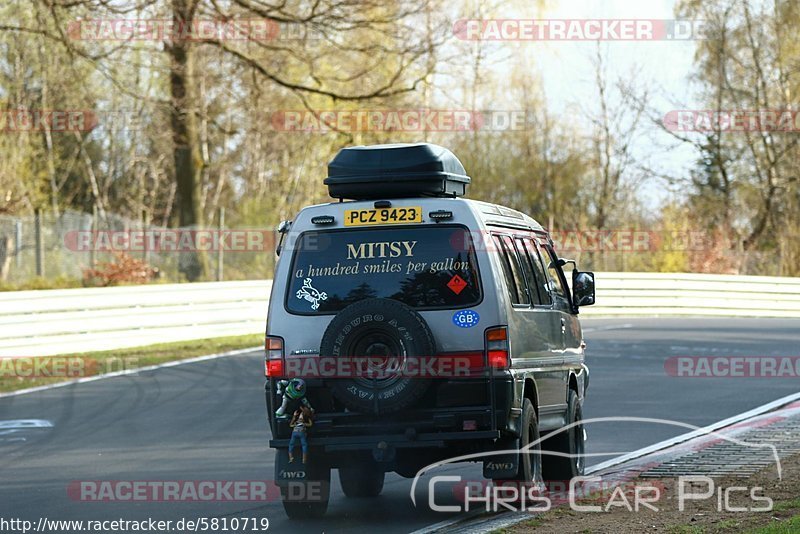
[[34, 323], [61, 321], [684, 294]]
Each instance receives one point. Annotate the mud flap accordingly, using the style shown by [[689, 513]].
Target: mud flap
[[503, 466], [286, 471], [301, 482]]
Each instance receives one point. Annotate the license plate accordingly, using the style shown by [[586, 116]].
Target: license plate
[[383, 216]]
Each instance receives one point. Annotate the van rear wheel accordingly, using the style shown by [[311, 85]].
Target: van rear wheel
[[308, 499], [361, 481], [570, 442], [304, 510], [530, 456]]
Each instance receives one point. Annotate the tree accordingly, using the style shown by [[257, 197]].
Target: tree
[[331, 51], [746, 178]]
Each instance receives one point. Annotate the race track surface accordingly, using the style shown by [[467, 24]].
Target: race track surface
[[206, 421]]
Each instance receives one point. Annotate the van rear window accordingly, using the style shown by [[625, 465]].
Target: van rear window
[[425, 267]]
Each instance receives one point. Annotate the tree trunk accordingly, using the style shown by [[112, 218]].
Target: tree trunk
[[185, 137]]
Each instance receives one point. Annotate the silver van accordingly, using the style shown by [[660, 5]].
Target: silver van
[[417, 325]]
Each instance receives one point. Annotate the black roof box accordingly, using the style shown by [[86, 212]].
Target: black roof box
[[396, 171]]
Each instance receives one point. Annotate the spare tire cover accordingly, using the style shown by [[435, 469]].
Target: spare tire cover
[[382, 336]]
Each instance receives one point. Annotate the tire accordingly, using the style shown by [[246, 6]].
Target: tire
[[388, 331], [567, 442], [295, 503], [359, 481], [304, 510], [530, 464]]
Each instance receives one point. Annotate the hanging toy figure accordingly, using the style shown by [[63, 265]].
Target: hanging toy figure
[[301, 421], [294, 394]]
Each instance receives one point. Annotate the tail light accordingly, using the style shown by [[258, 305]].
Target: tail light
[[497, 347], [273, 363]]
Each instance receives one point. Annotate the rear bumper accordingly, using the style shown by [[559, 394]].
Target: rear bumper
[[418, 428], [396, 441], [466, 420]]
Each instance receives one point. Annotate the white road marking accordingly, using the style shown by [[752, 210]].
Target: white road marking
[[12, 426], [609, 327], [699, 432], [17, 424], [130, 371], [504, 521]]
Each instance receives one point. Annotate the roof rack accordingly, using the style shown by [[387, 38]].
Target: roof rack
[[396, 171]]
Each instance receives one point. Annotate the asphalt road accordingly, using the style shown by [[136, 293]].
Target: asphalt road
[[205, 421]]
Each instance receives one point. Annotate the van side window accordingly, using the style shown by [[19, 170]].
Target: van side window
[[515, 282], [516, 270], [541, 279], [527, 268], [556, 282], [509, 278]]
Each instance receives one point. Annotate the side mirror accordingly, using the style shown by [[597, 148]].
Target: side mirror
[[583, 288]]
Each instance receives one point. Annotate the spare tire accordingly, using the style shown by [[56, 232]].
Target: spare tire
[[373, 333]]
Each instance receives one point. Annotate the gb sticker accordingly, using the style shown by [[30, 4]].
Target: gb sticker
[[311, 294], [466, 318]]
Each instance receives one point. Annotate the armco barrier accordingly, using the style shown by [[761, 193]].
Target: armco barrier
[[61, 321], [676, 294], [80, 320]]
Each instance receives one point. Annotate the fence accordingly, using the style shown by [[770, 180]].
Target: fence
[[71, 320], [36, 251], [42, 247]]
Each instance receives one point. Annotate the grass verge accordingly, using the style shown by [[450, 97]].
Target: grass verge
[[699, 517], [23, 373]]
